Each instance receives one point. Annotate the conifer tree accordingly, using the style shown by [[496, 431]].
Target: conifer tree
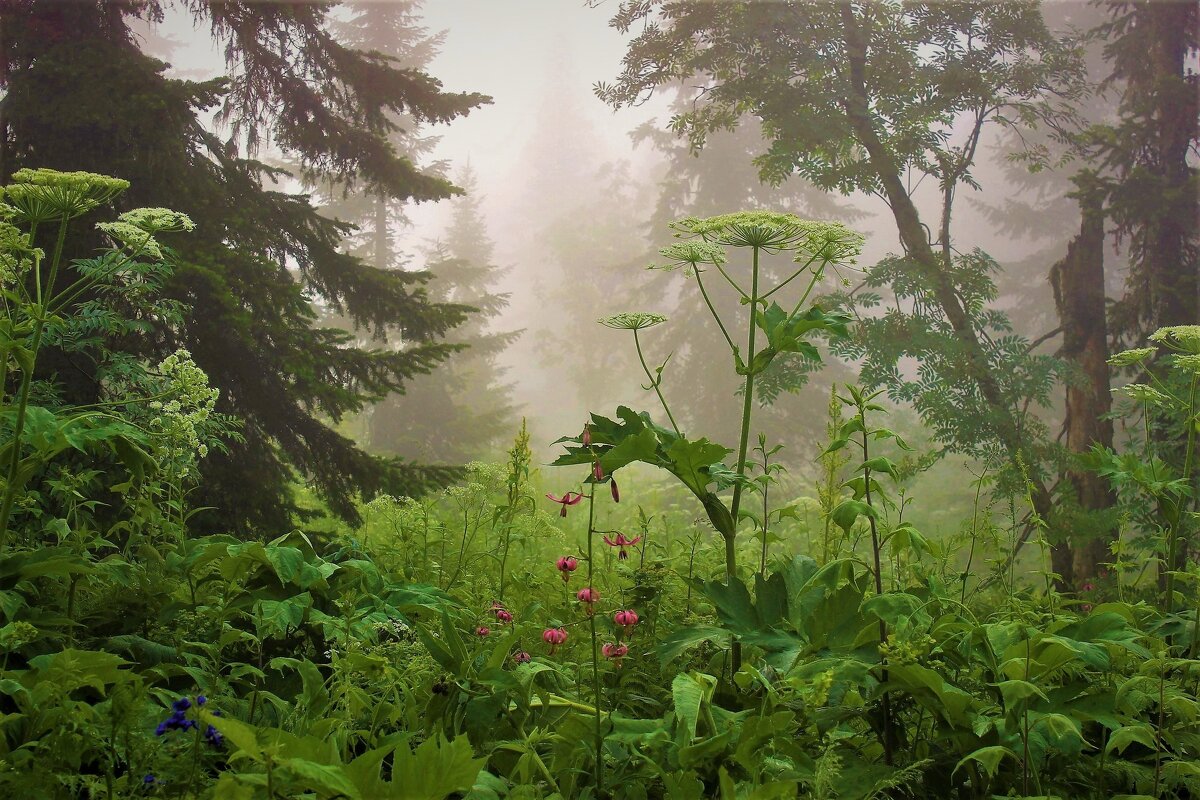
[[464, 408], [79, 94], [1152, 187]]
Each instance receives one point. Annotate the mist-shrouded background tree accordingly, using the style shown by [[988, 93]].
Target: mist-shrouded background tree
[[395, 30], [79, 94], [879, 98], [464, 410], [1150, 183], [719, 179], [1146, 180]]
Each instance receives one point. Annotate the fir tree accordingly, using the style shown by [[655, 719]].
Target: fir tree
[[1151, 186], [80, 95], [464, 409]]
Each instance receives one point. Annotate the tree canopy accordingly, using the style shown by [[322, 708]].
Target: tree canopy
[[79, 94]]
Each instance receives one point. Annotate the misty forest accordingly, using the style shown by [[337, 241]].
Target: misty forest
[[601, 399]]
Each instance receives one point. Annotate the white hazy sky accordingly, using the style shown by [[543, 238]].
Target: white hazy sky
[[520, 52], [538, 60], [512, 50]]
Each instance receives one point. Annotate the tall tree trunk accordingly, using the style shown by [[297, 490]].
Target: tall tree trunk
[[916, 244], [383, 239], [1163, 94], [1078, 283], [1174, 284]]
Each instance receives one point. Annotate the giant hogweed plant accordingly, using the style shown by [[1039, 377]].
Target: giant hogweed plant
[[151, 418], [778, 320]]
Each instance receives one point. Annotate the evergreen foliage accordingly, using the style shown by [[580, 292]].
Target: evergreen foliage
[[80, 94], [462, 411], [1152, 185], [526, 634]]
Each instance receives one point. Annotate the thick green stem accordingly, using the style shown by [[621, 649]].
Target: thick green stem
[[14, 463], [1173, 544], [762, 565], [747, 402], [743, 442], [875, 550]]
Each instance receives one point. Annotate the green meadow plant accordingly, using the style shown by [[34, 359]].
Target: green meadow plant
[[768, 329], [469, 644]]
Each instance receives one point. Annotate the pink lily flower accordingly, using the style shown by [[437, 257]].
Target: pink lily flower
[[626, 619], [566, 565], [622, 542], [615, 652], [568, 499], [554, 637], [588, 597]]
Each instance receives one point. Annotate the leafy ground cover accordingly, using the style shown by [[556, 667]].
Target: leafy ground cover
[[655, 616]]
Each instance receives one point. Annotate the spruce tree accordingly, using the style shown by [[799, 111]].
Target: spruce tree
[[1150, 181], [464, 409], [79, 94]]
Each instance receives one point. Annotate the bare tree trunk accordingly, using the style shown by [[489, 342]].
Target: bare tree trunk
[[1078, 283], [383, 239], [1173, 270]]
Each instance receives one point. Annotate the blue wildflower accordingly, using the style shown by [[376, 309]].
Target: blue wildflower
[[178, 720], [214, 737], [149, 780]]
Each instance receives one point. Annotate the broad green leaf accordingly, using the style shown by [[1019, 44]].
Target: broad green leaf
[[1121, 738], [1017, 692], [680, 640], [436, 769], [690, 462], [989, 758], [280, 617], [325, 780], [641, 446], [894, 608], [847, 513], [689, 692], [241, 735]]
